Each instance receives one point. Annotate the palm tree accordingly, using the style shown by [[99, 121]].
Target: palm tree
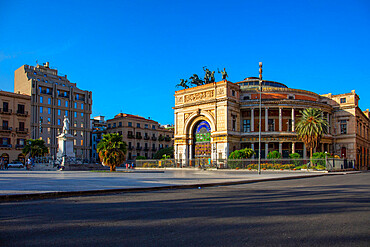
[[112, 150], [35, 148], [310, 128]]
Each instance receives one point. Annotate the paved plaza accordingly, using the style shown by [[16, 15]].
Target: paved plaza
[[17, 182]]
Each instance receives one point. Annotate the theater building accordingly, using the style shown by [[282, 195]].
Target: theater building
[[214, 119]]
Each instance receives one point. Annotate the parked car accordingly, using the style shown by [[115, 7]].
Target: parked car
[[16, 164]]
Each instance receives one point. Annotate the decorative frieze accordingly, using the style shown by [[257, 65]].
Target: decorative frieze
[[199, 96]]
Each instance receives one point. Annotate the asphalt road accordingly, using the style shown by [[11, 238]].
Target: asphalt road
[[320, 211]]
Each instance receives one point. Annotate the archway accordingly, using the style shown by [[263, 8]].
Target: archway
[[22, 158], [5, 158], [202, 140]]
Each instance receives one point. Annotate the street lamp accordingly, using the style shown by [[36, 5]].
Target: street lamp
[[260, 115]]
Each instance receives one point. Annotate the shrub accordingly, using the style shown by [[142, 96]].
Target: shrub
[[295, 157]]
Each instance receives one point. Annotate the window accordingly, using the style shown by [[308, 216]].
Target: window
[[82, 114], [82, 106], [120, 124], [138, 125], [41, 119], [343, 126], [129, 124], [59, 121], [114, 125], [49, 121], [58, 112], [41, 99], [343, 100], [75, 123], [82, 124], [75, 114], [58, 92], [66, 103], [233, 92], [59, 102], [20, 109], [290, 97], [109, 126], [233, 122], [271, 125], [49, 110], [75, 104], [66, 113], [146, 126], [5, 106], [48, 140], [82, 142], [41, 109], [246, 97], [49, 101], [153, 127], [246, 125]]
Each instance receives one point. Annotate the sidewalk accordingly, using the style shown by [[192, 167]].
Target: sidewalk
[[18, 184]]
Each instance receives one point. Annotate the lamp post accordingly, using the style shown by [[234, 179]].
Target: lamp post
[[260, 115]]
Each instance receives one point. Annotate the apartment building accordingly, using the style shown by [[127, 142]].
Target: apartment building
[[15, 125], [144, 137], [52, 97], [98, 128]]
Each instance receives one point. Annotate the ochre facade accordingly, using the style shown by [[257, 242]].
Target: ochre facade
[[231, 110]]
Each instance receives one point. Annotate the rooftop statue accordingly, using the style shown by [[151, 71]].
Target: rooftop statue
[[195, 80], [207, 75], [212, 77], [224, 74], [183, 83]]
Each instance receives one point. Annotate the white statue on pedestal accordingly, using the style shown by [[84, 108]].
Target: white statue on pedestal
[[65, 125]]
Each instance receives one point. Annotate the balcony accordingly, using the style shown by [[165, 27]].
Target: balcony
[[146, 149], [6, 146], [154, 138], [19, 146], [5, 129], [63, 96], [43, 91], [154, 149], [139, 148], [131, 148], [139, 137], [5, 111], [21, 130], [22, 113], [130, 136], [146, 137], [167, 138], [80, 98], [160, 138]]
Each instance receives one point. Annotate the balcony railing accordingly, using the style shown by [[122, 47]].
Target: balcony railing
[[167, 138], [146, 137], [130, 136], [45, 92], [131, 148], [139, 148], [5, 111], [154, 138], [139, 137], [19, 146], [5, 145], [146, 149], [160, 138], [5, 128], [22, 113], [80, 98], [21, 130], [63, 96], [154, 149]]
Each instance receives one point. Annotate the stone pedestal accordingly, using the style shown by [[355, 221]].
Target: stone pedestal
[[65, 146]]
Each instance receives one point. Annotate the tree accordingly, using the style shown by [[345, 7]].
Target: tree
[[245, 153], [35, 147], [112, 150], [310, 128], [167, 151]]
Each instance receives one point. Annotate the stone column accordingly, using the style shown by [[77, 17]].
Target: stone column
[[252, 119], [328, 119], [266, 149], [281, 148], [280, 119], [252, 147], [304, 151], [293, 147], [266, 119], [293, 121]]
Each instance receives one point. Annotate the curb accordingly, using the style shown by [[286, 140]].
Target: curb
[[60, 194]]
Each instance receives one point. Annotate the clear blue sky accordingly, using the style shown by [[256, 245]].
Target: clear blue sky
[[131, 54]]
